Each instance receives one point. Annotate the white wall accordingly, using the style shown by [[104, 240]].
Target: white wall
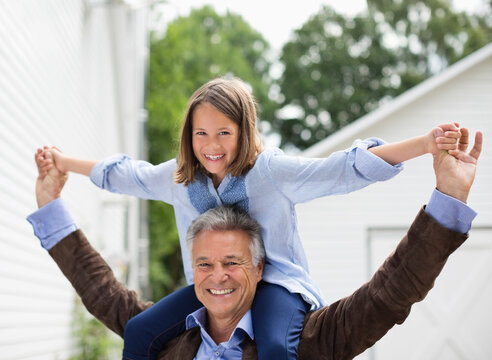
[[71, 75], [339, 262]]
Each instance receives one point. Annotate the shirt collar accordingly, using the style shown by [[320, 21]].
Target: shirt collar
[[199, 318]]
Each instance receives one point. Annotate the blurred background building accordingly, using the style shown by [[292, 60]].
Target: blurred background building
[[347, 237], [72, 75]]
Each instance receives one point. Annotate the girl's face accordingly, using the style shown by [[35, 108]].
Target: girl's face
[[215, 140]]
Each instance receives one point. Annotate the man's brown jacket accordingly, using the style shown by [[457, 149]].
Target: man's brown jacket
[[341, 330]]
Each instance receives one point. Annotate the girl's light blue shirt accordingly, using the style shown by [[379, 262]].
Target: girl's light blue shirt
[[268, 192]]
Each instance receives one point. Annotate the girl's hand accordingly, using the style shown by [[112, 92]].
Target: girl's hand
[[45, 163], [443, 137], [59, 159]]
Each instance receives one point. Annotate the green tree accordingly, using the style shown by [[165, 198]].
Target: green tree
[[338, 68], [93, 340], [432, 34], [193, 50]]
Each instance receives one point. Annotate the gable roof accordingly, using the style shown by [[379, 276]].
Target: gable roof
[[409, 96]]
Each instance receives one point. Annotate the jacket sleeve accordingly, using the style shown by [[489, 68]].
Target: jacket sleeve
[[122, 175], [353, 324], [92, 278]]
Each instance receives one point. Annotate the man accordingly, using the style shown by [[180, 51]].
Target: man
[[227, 265]]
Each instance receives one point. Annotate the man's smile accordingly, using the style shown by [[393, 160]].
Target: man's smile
[[221, 291]]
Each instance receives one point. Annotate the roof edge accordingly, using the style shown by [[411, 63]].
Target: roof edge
[[400, 101]]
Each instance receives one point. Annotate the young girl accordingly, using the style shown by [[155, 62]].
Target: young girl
[[221, 161]]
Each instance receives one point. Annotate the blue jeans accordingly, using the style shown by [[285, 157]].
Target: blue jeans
[[278, 316]]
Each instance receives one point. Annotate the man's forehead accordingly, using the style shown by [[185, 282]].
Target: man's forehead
[[221, 244], [231, 232], [223, 237], [201, 257]]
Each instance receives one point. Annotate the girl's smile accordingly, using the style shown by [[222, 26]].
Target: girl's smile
[[214, 157], [215, 140]]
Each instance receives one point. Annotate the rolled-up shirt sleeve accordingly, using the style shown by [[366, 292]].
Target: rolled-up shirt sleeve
[[51, 223], [371, 166], [99, 172]]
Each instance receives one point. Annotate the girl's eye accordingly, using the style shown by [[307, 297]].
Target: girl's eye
[[224, 133], [200, 133]]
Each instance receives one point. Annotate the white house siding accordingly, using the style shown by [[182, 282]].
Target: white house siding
[[71, 75], [364, 226]]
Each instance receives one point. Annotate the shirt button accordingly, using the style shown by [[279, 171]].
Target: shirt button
[[217, 353]]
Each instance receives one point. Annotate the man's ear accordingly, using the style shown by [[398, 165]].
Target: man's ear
[[260, 270]]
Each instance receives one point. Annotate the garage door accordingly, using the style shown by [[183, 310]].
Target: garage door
[[455, 320]]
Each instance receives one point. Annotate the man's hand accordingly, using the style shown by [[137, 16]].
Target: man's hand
[[50, 182], [455, 170]]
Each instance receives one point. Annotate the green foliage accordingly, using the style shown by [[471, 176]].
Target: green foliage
[[93, 340], [195, 49], [338, 68], [433, 33], [165, 265]]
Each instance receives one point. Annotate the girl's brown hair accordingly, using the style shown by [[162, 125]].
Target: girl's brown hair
[[231, 97]]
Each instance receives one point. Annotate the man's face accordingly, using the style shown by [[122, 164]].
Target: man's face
[[223, 272]]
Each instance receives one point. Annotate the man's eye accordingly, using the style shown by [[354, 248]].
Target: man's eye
[[231, 263], [203, 265]]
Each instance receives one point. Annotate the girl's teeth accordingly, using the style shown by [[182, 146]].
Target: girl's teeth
[[214, 157]]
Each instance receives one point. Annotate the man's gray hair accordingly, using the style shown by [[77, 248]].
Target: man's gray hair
[[229, 218]]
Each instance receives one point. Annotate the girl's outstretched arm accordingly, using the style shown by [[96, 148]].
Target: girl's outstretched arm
[[442, 137], [63, 162]]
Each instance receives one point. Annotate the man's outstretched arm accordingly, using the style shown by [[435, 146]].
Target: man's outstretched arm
[[102, 294], [351, 325]]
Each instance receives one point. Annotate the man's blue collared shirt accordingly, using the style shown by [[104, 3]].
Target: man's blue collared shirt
[[230, 350]]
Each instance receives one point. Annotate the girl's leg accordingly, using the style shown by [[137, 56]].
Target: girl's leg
[[278, 316], [146, 333]]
